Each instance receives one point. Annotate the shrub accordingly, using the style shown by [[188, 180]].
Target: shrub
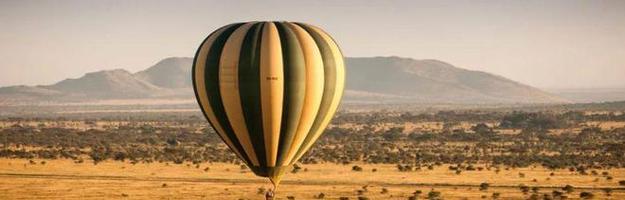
[[534, 197], [484, 186], [586, 195], [568, 188], [607, 191], [556, 193], [524, 188], [296, 168], [384, 191], [434, 194], [261, 190]]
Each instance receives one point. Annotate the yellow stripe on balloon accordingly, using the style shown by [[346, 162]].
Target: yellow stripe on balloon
[[314, 88], [229, 87], [338, 92], [271, 89]]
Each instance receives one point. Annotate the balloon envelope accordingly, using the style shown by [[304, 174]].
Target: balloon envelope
[[269, 89]]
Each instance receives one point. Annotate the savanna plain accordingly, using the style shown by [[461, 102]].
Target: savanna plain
[[122, 152]]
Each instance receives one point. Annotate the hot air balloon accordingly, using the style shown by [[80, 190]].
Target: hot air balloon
[[269, 89]]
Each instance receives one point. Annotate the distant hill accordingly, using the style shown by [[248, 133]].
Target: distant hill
[[395, 79], [108, 84], [172, 72], [370, 80]]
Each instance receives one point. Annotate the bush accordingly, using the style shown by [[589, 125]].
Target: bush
[[484, 186], [607, 191], [434, 195], [296, 168], [524, 188], [568, 188], [261, 190], [586, 195], [356, 168], [384, 191], [556, 193], [534, 197]]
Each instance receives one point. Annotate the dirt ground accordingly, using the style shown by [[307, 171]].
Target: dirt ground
[[65, 179]]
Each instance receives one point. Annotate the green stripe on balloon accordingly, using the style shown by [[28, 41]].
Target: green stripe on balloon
[[249, 89], [294, 88]]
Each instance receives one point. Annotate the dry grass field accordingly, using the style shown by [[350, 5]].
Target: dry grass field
[[65, 179], [451, 155]]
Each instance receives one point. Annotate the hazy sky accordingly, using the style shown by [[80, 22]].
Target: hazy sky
[[559, 44]]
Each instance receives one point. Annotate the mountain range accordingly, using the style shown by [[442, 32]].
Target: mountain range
[[369, 80]]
